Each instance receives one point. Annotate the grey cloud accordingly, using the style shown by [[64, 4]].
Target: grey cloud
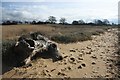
[[18, 15]]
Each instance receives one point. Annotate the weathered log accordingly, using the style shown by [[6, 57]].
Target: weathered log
[[28, 47]]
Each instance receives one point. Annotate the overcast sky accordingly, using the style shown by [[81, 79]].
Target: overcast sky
[[70, 9]]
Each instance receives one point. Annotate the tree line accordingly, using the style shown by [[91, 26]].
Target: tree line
[[53, 20]]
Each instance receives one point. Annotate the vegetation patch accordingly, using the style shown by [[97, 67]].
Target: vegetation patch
[[70, 38], [7, 44], [7, 51], [98, 32]]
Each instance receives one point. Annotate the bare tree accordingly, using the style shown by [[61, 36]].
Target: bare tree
[[81, 22], [34, 22], [98, 22], [51, 19], [62, 20], [105, 22], [75, 23]]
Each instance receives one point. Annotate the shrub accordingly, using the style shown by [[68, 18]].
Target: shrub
[[7, 44], [70, 38], [7, 51], [97, 32], [100, 31], [62, 38]]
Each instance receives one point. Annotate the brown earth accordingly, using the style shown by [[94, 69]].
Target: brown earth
[[88, 59]]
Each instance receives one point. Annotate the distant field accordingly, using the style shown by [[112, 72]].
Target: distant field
[[59, 33], [14, 31]]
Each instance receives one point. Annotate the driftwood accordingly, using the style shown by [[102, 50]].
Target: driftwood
[[28, 46]]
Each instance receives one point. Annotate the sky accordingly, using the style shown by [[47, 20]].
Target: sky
[[87, 10]]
